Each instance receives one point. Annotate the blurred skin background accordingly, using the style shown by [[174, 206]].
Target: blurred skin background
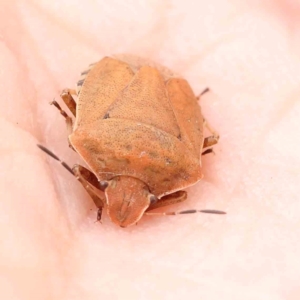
[[247, 52]]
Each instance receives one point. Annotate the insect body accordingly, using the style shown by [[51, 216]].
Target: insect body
[[139, 129]]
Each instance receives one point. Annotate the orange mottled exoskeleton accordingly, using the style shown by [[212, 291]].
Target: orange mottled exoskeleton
[[139, 129]]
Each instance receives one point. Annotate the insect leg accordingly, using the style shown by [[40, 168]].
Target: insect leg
[[68, 119], [66, 95], [174, 198], [91, 185], [177, 197], [210, 140], [210, 150], [210, 129], [86, 178]]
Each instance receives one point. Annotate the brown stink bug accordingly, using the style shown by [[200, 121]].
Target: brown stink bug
[[139, 129]]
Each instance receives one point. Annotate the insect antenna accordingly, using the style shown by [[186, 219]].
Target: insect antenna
[[183, 212], [50, 153]]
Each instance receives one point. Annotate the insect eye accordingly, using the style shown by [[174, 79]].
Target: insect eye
[[103, 185], [153, 199]]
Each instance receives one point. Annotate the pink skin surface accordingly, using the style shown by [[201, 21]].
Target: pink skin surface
[[247, 52]]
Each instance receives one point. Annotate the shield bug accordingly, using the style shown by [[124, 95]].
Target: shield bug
[[139, 129]]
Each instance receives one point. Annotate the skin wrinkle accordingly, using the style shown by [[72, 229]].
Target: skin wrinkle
[[63, 25], [40, 60], [52, 248], [17, 54]]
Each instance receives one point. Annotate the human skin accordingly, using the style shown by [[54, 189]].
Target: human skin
[[248, 54]]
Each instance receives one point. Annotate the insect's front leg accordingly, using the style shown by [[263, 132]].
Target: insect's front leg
[[174, 198], [89, 181], [91, 184]]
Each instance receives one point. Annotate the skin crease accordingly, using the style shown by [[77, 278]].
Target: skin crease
[[247, 52]]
